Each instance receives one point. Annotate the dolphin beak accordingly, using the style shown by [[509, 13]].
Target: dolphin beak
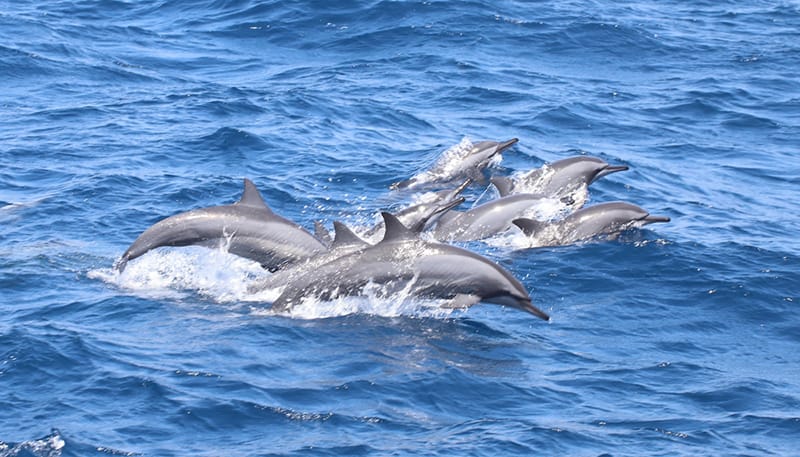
[[461, 188], [526, 305], [652, 219], [608, 170], [503, 145], [450, 205]]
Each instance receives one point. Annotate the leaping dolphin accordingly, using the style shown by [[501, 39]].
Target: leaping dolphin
[[426, 269], [459, 163], [604, 219], [249, 227], [558, 179]]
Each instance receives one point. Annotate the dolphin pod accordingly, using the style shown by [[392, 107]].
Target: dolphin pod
[[408, 257]]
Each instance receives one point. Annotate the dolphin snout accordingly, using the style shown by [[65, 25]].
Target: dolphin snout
[[652, 219], [526, 305], [608, 169]]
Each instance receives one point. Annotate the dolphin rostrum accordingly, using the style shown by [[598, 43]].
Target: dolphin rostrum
[[558, 179], [248, 227], [459, 163], [604, 219], [403, 261]]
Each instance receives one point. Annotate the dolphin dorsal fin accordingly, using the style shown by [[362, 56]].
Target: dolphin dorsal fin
[[322, 233], [252, 197], [528, 226], [503, 185], [395, 230], [343, 236]]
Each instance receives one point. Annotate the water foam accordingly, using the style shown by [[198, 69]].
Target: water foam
[[447, 165], [175, 273]]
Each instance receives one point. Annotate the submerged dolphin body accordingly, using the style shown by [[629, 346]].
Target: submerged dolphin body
[[248, 227], [483, 221], [403, 261], [558, 179], [604, 219], [459, 164]]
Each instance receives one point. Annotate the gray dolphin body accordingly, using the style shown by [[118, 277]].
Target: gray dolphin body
[[248, 227], [604, 219], [457, 165], [559, 178], [403, 261], [483, 221]]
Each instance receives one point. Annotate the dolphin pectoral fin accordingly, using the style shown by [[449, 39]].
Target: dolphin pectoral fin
[[322, 233], [502, 184], [528, 226], [462, 301]]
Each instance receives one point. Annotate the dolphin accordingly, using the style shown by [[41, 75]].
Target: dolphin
[[403, 261], [249, 227], [604, 219], [459, 163], [559, 178], [422, 215], [483, 221]]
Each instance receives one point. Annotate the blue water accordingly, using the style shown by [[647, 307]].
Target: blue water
[[681, 339]]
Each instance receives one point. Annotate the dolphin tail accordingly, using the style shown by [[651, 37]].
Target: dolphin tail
[[120, 264], [528, 226]]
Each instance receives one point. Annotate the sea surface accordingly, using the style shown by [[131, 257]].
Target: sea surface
[[678, 339]]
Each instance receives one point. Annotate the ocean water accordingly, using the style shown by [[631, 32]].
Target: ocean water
[[679, 339]]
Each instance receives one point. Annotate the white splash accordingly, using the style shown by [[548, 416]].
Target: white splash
[[448, 165], [176, 272], [224, 278]]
